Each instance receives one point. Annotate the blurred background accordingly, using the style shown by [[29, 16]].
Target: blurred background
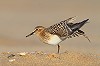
[[19, 17]]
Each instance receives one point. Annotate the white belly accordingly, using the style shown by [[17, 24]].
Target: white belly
[[54, 40]]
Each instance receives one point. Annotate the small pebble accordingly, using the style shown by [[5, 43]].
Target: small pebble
[[11, 60], [22, 53], [10, 56]]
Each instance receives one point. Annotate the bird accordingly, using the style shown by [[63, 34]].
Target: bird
[[58, 32]]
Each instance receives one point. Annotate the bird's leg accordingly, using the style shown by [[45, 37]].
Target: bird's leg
[[82, 33], [86, 37], [58, 48]]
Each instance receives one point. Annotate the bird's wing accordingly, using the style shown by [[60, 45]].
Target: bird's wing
[[69, 19], [64, 29], [78, 32], [61, 29], [77, 26]]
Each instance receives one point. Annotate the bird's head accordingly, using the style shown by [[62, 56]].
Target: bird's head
[[37, 30]]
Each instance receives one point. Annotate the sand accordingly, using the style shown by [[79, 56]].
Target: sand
[[39, 58]]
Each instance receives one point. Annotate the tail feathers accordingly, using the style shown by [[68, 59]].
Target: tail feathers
[[77, 26]]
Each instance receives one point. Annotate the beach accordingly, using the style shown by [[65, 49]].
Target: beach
[[39, 58]]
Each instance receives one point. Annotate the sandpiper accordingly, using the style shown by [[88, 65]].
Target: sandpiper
[[59, 32]]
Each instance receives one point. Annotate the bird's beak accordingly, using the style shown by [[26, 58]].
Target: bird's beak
[[31, 33]]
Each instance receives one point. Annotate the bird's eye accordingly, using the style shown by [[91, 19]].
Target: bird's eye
[[36, 29]]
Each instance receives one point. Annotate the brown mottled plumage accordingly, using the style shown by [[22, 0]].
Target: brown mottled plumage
[[58, 32]]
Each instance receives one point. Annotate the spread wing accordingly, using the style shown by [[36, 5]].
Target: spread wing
[[61, 29], [77, 33], [65, 30]]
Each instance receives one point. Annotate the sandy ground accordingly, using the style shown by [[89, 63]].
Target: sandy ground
[[68, 58]]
